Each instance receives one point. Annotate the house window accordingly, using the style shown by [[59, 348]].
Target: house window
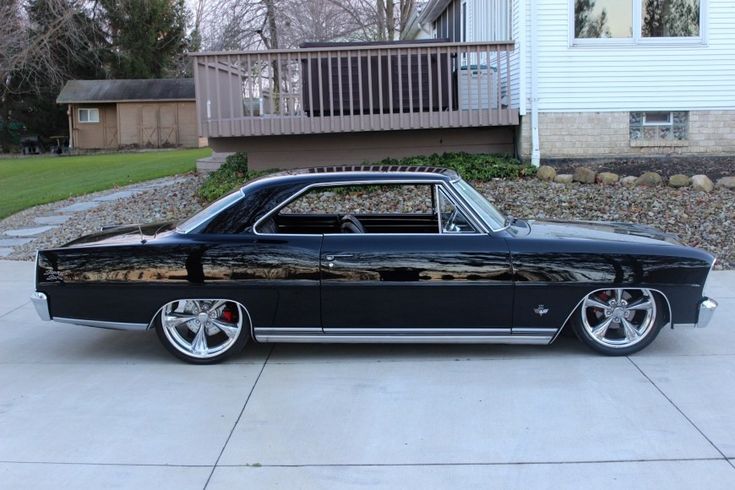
[[667, 127], [89, 115], [670, 18], [637, 21], [595, 19]]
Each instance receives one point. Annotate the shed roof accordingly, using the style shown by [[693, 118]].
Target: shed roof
[[80, 91]]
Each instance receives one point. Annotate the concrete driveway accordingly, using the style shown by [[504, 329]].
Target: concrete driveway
[[89, 408]]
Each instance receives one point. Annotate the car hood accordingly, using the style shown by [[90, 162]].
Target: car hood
[[609, 231], [123, 234]]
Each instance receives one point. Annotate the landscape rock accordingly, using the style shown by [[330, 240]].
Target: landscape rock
[[584, 175], [546, 173], [628, 181], [727, 183], [649, 179], [564, 178], [679, 180], [702, 183], [607, 178]]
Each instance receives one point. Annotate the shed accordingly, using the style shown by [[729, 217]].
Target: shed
[[111, 114]]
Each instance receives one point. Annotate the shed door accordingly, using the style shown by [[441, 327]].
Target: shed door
[[149, 125], [168, 128], [109, 124]]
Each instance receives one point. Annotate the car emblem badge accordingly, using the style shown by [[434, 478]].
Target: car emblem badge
[[541, 310]]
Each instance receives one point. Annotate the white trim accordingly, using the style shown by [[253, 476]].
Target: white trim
[[521, 44], [637, 38], [535, 141], [668, 122], [90, 111]]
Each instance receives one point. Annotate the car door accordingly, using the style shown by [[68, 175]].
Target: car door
[[457, 278]]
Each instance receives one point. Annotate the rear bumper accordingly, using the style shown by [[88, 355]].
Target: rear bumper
[[707, 309], [40, 302]]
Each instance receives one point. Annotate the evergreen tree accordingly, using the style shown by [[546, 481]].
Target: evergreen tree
[[147, 37]]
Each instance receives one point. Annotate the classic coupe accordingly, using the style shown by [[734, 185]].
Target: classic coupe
[[373, 254]]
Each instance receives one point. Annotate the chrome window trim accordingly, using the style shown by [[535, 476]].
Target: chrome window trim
[[478, 216], [460, 204], [443, 192]]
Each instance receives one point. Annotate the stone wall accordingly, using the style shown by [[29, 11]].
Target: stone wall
[[606, 134]]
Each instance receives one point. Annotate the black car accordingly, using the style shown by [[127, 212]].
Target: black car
[[373, 254]]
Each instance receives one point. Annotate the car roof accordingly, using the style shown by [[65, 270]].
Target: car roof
[[352, 173]]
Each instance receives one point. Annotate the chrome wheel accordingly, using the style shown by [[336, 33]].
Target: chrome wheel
[[203, 329], [619, 318]]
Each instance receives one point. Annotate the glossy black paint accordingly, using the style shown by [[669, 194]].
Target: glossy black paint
[[429, 281], [125, 274]]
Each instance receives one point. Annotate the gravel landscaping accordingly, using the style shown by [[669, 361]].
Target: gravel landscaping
[[173, 202], [705, 220]]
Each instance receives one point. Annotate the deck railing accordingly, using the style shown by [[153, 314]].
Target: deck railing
[[354, 88]]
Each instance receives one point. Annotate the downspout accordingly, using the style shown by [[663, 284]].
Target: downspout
[[535, 146], [70, 113]]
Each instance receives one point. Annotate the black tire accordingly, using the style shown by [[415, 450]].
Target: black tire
[[583, 334]]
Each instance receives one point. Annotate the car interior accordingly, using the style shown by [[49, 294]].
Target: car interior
[[369, 209]]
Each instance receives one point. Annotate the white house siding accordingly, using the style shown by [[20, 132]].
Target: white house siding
[[518, 35], [634, 77], [585, 93]]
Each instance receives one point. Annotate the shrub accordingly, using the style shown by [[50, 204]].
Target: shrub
[[483, 167], [230, 176]]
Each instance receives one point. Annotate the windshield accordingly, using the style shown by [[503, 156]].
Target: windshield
[[209, 212], [482, 206]]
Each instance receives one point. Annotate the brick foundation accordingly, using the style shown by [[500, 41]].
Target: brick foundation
[[606, 134]]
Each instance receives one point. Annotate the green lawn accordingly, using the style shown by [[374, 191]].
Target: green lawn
[[26, 182]]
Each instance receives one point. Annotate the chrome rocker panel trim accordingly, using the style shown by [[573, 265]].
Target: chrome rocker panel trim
[[399, 336], [102, 324]]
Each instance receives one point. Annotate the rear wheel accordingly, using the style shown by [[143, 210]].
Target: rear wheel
[[619, 321], [203, 331]]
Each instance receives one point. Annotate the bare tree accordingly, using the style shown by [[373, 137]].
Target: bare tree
[[34, 55], [256, 24]]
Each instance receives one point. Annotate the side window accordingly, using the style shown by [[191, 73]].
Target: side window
[[364, 200], [451, 218], [369, 208]]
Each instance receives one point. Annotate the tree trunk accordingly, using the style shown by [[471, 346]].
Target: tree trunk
[[380, 8], [390, 19], [270, 13]]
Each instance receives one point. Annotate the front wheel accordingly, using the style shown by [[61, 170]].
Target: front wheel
[[619, 321], [203, 331]]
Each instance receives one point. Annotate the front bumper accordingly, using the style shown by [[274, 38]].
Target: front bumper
[[707, 309], [40, 302]]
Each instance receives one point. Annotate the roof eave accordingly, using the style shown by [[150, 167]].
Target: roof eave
[[121, 101]]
